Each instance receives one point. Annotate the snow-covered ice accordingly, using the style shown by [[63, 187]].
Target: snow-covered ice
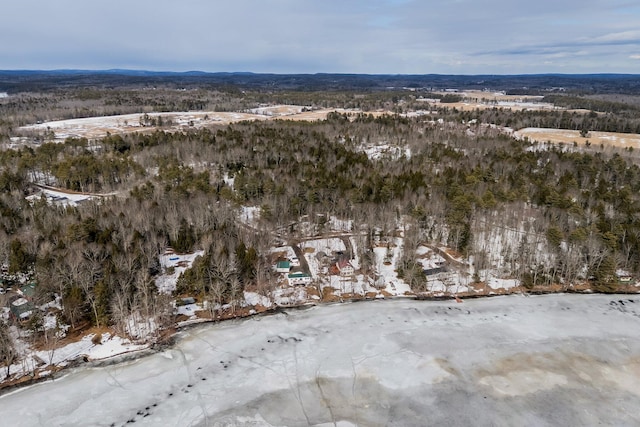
[[516, 360]]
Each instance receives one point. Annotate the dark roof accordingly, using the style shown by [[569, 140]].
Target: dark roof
[[28, 290], [432, 271], [188, 300], [20, 311], [294, 275]]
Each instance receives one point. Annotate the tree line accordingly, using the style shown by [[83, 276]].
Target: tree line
[[554, 215]]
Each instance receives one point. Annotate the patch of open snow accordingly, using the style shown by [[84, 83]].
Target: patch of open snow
[[423, 250], [495, 283], [379, 151], [253, 299], [229, 180], [188, 310], [340, 225], [394, 285], [290, 296], [278, 110], [112, 345], [139, 327], [166, 283], [355, 285], [59, 197], [250, 215], [327, 245]]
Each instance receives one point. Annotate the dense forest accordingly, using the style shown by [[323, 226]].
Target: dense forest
[[556, 215]]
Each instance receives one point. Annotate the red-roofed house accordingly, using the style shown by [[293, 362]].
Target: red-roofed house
[[345, 268]]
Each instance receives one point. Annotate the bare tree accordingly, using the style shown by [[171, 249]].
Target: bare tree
[[8, 352]]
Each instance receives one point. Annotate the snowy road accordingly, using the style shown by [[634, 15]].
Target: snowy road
[[548, 360]]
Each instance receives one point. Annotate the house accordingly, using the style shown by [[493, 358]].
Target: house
[[186, 301], [299, 278], [624, 277], [283, 267], [21, 309], [28, 291], [435, 270], [345, 268]]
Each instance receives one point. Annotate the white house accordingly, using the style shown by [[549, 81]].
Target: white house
[[345, 268], [299, 279]]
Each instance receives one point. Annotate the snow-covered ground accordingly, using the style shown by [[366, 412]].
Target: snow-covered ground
[[384, 150], [386, 261], [328, 245], [95, 127], [98, 127], [173, 265], [250, 215], [108, 346], [278, 110], [59, 197], [567, 136], [548, 360]]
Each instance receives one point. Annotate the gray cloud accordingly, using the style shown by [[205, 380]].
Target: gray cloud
[[366, 36]]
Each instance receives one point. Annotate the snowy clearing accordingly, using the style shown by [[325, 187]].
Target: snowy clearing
[[61, 198], [173, 265], [551, 360], [98, 127], [565, 136]]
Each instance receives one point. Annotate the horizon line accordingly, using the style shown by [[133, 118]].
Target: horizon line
[[152, 71]]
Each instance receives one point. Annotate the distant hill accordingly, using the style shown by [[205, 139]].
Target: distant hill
[[34, 80]]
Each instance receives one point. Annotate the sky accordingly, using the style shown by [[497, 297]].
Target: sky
[[333, 36]]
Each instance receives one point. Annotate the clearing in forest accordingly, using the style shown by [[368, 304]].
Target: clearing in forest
[[565, 136]]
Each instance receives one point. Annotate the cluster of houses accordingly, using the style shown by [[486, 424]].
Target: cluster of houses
[[294, 277], [338, 264]]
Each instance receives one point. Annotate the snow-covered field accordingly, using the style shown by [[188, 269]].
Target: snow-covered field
[[537, 361], [565, 136], [97, 127]]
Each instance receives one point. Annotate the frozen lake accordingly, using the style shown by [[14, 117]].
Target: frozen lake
[[536, 361]]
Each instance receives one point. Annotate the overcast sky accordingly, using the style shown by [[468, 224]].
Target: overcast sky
[[309, 36]]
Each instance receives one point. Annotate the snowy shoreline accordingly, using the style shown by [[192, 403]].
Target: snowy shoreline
[[543, 360], [171, 340]]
